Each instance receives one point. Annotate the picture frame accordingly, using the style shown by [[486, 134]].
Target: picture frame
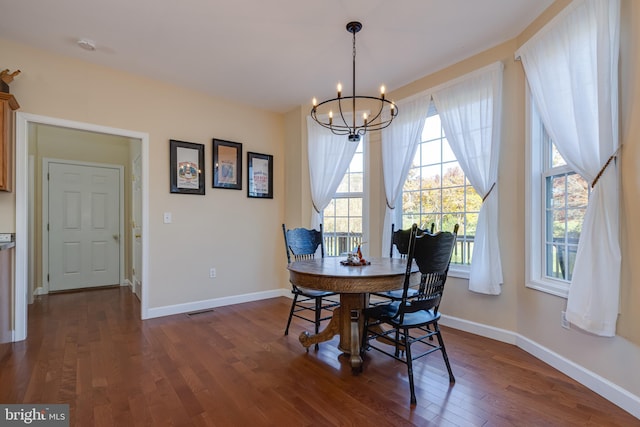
[[259, 175], [186, 167], [227, 164]]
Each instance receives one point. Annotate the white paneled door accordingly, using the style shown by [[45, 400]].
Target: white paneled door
[[84, 226]]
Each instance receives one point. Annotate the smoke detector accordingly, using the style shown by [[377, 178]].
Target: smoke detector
[[87, 44]]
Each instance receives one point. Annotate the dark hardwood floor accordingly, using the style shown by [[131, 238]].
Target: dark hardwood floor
[[233, 366]]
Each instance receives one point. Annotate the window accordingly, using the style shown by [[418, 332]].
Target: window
[[558, 202], [343, 217], [437, 191]]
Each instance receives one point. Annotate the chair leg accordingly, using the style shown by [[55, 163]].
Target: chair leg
[[407, 349], [444, 353], [293, 306], [318, 314]]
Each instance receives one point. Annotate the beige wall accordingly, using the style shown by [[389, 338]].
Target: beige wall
[[630, 159], [224, 228], [532, 314]]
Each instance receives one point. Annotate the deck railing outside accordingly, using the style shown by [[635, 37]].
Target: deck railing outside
[[463, 250], [336, 244], [563, 255]]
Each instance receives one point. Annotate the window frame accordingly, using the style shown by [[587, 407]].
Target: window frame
[[535, 205], [364, 195]]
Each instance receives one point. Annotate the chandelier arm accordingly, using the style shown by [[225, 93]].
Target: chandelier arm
[[342, 114], [374, 118]]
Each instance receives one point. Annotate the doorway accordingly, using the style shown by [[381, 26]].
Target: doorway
[[24, 284]]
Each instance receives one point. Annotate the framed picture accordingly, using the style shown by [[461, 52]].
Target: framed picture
[[186, 167], [227, 164], [260, 175]]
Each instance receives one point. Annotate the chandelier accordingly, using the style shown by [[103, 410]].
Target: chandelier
[[354, 128]]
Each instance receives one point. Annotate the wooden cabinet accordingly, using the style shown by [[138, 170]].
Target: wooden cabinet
[[7, 105]]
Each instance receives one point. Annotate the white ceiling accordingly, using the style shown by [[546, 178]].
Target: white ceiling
[[274, 54]]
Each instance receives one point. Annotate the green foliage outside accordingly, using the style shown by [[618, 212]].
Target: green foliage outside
[[442, 199]]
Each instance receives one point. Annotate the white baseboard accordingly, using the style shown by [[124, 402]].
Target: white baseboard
[[605, 388], [479, 329], [212, 303]]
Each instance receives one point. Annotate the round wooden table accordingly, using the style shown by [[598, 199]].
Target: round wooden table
[[353, 283]]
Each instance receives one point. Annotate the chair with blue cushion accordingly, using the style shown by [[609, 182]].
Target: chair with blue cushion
[[300, 244], [393, 327]]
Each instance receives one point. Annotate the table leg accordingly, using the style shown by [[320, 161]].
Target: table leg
[[332, 329], [355, 359]]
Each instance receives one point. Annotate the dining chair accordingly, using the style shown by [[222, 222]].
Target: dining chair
[[300, 244], [392, 328], [400, 241]]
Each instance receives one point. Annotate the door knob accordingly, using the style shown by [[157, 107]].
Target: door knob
[[116, 237]]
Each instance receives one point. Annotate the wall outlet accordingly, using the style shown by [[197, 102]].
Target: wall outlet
[[212, 273], [563, 320], [167, 218]]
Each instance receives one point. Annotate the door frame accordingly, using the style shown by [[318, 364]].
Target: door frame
[[22, 197], [45, 216], [136, 229]]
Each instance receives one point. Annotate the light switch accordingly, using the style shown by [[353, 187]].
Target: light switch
[[167, 217]]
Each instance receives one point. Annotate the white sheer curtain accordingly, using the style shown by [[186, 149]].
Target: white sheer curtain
[[572, 69], [470, 110], [329, 157], [399, 142]]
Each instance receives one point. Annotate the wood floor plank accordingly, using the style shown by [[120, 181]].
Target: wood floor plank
[[233, 366]]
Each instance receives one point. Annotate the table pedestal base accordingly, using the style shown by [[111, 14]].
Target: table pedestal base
[[346, 321]]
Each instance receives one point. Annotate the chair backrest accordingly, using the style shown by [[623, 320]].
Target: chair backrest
[[302, 243], [432, 254], [400, 239]]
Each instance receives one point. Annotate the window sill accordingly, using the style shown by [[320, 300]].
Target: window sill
[[559, 289], [459, 272]]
